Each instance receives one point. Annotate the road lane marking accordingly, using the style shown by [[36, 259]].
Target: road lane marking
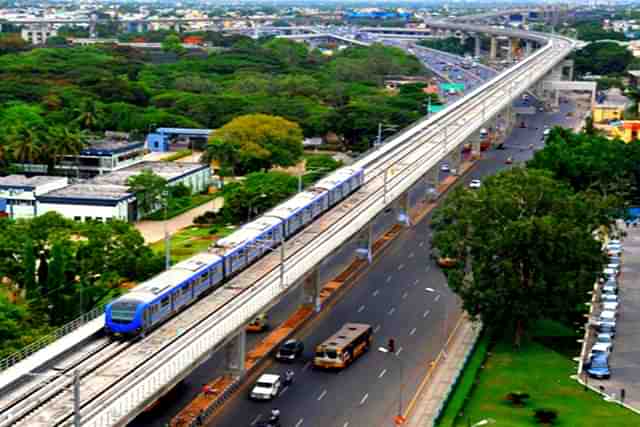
[[323, 394], [399, 351], [426, 313], [416, 281], [413, 331], [405, 295], [429, 289], [361, 309], [411, 255], [400, 267], [306, 366], [393, 309], [256, 419], [388, 279], [299, 423], [384, 371], [375, 293], [437, 298], [364, 399], [376, 329], [421, 244], [346, 424]]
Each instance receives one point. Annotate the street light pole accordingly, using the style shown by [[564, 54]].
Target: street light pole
[[401, 364]]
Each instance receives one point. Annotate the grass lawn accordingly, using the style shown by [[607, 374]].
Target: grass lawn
[[191, 240], [540, 368]]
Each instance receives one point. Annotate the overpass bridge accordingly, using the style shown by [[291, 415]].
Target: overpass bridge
[[115, 381]]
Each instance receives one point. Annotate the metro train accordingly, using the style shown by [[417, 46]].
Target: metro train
[[151, 303]]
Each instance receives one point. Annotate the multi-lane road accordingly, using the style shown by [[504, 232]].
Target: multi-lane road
[[392, 297]]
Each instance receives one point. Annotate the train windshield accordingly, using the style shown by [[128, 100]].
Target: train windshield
[[123, 311]]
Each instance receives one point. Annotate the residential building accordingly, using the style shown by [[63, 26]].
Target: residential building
[[19, 193], [610, 106], [38, 34]]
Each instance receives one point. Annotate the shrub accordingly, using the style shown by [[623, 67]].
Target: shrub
[[207, 218], [517, 398], [180, 190], [545, 415]]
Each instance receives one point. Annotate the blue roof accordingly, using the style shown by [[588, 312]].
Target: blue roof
[[185, 131]]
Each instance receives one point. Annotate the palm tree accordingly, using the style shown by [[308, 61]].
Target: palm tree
[[89, 114], [62, 141], [25, 144]]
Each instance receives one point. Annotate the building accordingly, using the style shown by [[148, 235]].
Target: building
[[38, 34], [18, 193], [87, 201], [610, 106], [103, 156], [168, 139], [106, 197]]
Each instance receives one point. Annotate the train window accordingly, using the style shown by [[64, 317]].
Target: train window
[[164, 302], [205, 276], [186, 289]]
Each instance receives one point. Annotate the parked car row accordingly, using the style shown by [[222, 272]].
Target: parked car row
[[597, 365]]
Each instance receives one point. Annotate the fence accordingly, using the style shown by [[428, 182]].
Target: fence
[[25, 352]]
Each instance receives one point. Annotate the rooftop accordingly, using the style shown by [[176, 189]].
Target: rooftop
[[90, 191], [614, 98], [24, 181], [167, 170], [110, 146]]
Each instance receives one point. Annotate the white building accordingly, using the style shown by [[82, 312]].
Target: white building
[[103, 156], [38, 34], [18, 193]]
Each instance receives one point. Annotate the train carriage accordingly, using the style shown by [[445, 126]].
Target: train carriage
[[157, 299], [300, 210], [341, 183]]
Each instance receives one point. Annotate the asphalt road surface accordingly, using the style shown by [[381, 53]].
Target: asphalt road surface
[[393, 297]]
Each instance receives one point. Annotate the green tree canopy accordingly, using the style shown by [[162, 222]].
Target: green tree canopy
[[602, 59], [527, 248], [173, 44], [257, 141], [149, 189]]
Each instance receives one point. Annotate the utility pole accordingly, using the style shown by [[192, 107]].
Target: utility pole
[[379, 140]]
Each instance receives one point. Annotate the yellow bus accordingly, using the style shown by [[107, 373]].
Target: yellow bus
[[343, 347]]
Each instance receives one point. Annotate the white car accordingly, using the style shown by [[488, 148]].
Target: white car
[[610, 306], [614, 267], [605, 338], [444, 167], [615, 242], [608, 316], [600, 347], [610, 298], [610, 289], [267, 387], [475, 183], [610, 273]]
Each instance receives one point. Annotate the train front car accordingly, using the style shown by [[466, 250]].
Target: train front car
[[123, 317]]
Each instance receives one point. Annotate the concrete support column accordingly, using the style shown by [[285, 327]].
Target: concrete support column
[[234, 353], [432, 178], [455, 159], [477, 45], [510, 49], [311, 291], [402, 210], [365, 242], [475, 145], [528, 47], [493, 51]]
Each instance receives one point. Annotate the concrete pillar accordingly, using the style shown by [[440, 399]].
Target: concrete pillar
[[455, 159], [493, 51], [402, 210], [365, 242], [234, 353], [528, 47], [477, 45], [432, 178], [510, 49], [311, 290], [474, 140]]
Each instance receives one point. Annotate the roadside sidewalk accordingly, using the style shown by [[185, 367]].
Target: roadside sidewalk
[[436, 386], [153, 231]]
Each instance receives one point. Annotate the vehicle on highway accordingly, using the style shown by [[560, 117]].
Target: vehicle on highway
[[443, 261], [151, 303], [598, 366], [610, 288], [615, 260], [508, 160], [609, 273], [475, 183], [344, 347], [604, 338], [610, 306], [541, 109], [610, 298], [290, 350], [606, 328], [267, 387], [525, 97], [546, 133], [444, 167], [259, 324], [615, 267]]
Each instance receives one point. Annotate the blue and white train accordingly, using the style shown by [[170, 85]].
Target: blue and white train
[[154, 301]]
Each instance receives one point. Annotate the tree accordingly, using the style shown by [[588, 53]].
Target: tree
[[527, 248], [26, 145], [149, 189], [602, 59], [258, 142], [12, 43], [89, 114], [173, 44]]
